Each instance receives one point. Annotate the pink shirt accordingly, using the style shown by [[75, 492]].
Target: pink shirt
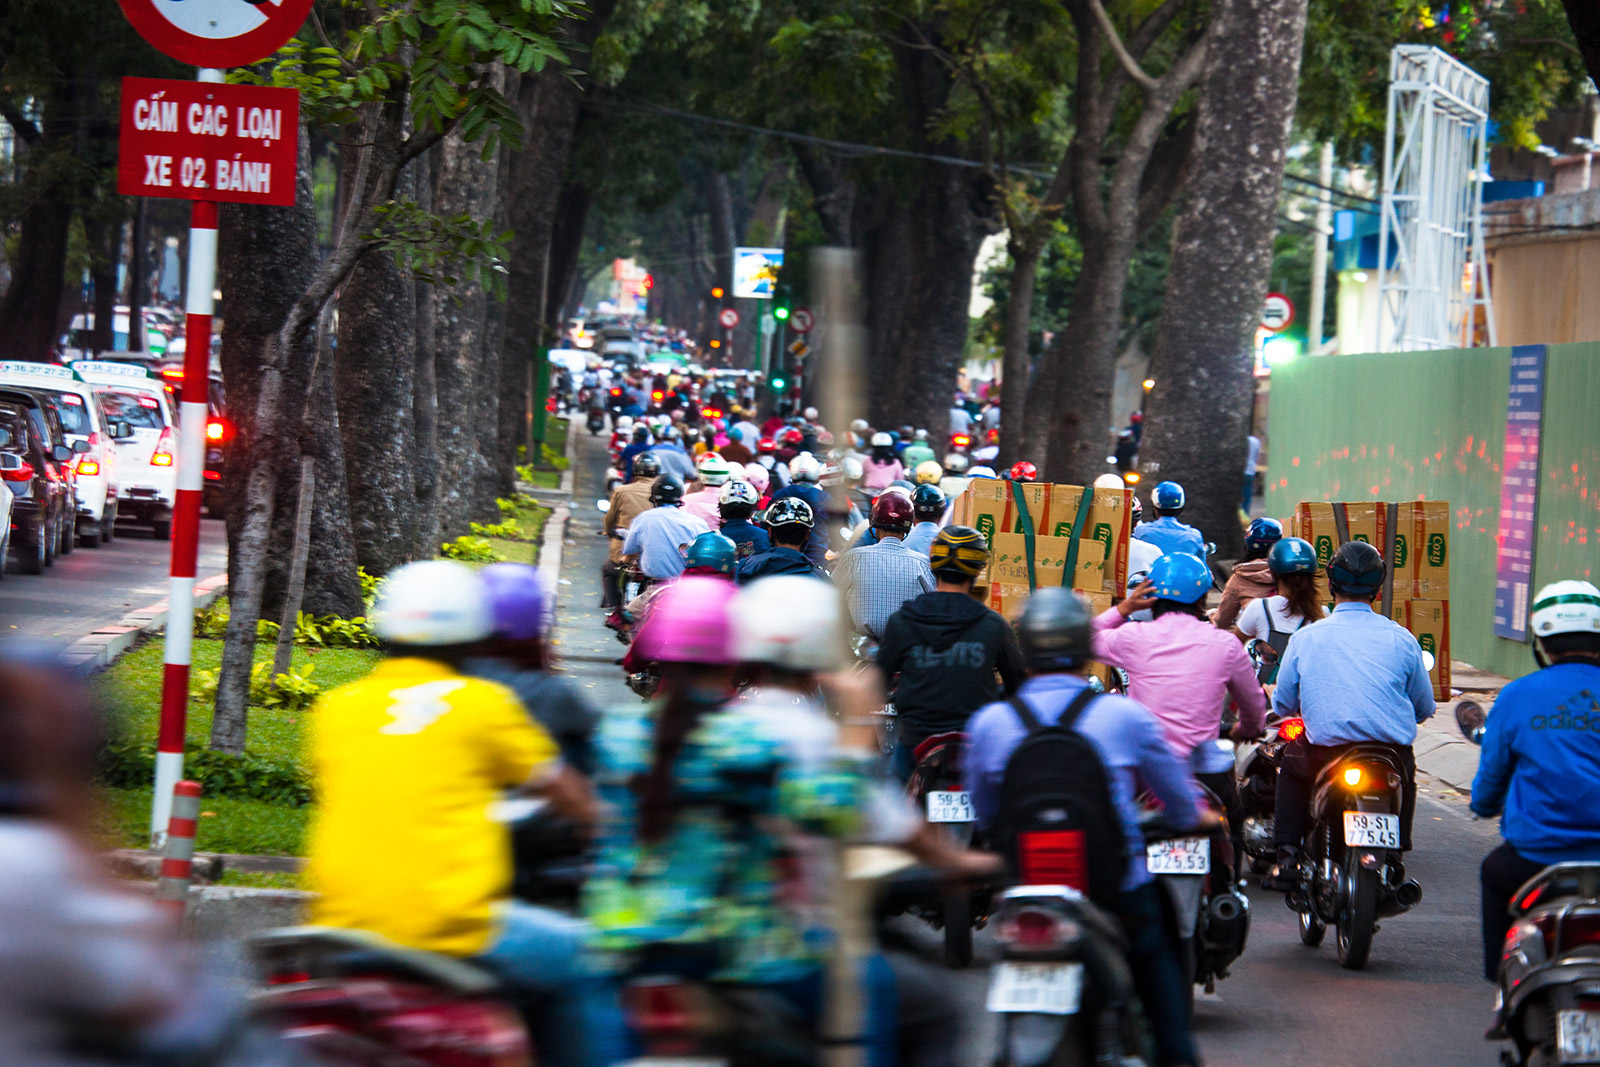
[[877, 476], [704, 505], [1183, 669]]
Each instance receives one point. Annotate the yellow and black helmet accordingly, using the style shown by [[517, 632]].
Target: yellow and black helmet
[[959, 551]]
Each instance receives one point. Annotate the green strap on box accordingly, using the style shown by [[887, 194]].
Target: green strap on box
[[1027, 531], [1078, 524]]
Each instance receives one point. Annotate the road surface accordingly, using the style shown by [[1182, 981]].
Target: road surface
[[1420, 1001], [96, 587]]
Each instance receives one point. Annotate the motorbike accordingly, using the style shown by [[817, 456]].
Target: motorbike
[[937, 787], [1255, 770], [1548, 1002], [1062, 991], [1211, 918], [1352, 874], [596, 420]]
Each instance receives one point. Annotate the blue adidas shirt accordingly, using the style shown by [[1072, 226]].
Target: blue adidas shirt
[[1540, 768]]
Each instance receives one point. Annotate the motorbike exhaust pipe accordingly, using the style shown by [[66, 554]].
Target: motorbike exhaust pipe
[[1227, 926], [1406, 895]]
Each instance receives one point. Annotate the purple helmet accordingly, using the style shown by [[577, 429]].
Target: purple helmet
[[688, 623], [516, 600]]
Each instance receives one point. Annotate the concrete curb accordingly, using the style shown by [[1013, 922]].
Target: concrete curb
[[550, 552], [572, 453], [100, 648]]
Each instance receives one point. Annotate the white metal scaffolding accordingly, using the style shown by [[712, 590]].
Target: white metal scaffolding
[[1434, 167]]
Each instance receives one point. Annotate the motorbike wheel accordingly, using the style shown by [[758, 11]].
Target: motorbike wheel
[[1357, 926], [957, 930], [1312, 928]]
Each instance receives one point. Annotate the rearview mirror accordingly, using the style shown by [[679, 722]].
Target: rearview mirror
[[80, 447], [10, 461], [61, 453], [5, 437], [602, 506], [1471, 718], [121, 430]]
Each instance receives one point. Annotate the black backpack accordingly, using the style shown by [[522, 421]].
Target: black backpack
[[1057, 823]]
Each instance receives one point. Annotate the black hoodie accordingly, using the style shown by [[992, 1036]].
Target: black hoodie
[[946, 648]]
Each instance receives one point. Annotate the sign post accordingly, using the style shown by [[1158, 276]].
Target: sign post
[[210, 143], [1277, 312]]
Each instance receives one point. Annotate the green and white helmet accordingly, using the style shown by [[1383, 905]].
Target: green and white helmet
[[713, 470], [1569, 607]]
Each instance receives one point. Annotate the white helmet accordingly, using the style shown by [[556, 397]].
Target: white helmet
[[981, 472], [955, 463], [1569, 607], [805, 468], [436, 602], [1108, 481], [789, 621], [811, 414], [859, 426], [832, 475], [882, 440], [921, 435], [624, 423], [739, 492], [1136, 579], [713, 469], [852, 468]]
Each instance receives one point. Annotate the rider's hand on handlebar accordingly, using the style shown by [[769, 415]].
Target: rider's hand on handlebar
[[1139, 599], [1239, 735]]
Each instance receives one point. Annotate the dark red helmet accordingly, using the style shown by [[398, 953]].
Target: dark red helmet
[[766, 446], [892, 511], [792, 437], [1023, 471]]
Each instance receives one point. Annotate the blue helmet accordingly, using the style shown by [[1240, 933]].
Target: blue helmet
[[1167, 497], [1181, 577], [1263, 534], [712, 552], [1292, 555]]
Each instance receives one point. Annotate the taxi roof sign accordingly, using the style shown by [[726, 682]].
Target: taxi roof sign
[[40, 370], [110, 368]]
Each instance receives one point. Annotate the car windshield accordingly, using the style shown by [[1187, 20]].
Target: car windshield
[[139, 410], [73, 413]]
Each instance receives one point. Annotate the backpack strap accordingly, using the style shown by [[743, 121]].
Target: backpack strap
[[1069, 715]]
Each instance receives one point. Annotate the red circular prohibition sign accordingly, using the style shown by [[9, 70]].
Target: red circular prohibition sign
[[283, 20]]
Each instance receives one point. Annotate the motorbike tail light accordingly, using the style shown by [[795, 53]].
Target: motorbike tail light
[[288, 977], [213, 476], [218, 430], [1533, 939], [1352, 776], [616, 392], [1582, 928], [1054, 857], [659, 1008], [23, 473], [162, 456], [960, 440], [1037, 930], [657, 395], [1289, 729]]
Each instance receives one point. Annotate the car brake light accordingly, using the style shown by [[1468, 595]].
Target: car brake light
[[288, 978], [172, 374], [88, 468], [162, 456], [23, 473], [1035, 930], [1289, 729]]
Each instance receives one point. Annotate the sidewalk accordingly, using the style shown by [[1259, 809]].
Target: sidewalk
[[1441, 751]]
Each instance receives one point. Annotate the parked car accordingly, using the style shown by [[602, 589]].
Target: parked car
[[88, 433], [220, 432], [147, 472], [34, 471]]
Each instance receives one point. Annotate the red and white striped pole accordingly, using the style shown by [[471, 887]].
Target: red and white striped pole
[[177, 865], [186, 509]]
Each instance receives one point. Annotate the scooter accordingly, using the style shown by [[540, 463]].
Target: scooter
[[1255, 770], [936, 787]]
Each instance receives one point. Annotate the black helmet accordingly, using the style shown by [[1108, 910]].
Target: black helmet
[[667, 489], [928, 502], [646, 465], [1356, 570], [790, 510], [1053, 631], [959, 552], [641, 434]]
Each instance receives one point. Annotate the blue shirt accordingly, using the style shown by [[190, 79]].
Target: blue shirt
[[748, 538], [1354, 676], [878, 579], [920, 539], [1170, 535], [658, 537], [626, 459], [1127, 737], [674, 460], [1540, 768]]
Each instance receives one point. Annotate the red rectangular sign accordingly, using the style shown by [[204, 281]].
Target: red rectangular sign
[[207, 141]]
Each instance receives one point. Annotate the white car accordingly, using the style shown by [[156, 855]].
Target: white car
[[147, 459], [83, 419]]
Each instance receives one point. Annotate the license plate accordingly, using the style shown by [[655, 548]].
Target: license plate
[[674, 1061], [1578, 1036], [950, 806], [1366, 829], [1183, 855], [1046, 988]]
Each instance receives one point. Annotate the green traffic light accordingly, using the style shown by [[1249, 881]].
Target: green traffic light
[[777, 383], [780, 313]]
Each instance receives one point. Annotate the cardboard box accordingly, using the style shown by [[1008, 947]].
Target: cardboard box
[[988, 501], [1036, 502], [1008, 562], [1429, 622], [1317, 526], [1367, 520], [1428, 554]]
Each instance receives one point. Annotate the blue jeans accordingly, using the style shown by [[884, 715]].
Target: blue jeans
[[576, 1018]]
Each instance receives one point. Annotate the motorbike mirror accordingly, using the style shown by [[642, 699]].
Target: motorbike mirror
[[1472, 718], [1428, 661], [1210, 549], [602, 506]]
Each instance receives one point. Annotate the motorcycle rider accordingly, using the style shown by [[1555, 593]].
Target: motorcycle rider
[[1273, 620], [641, 443], [758, 477], [518, 657], [1184, 670], [1252, 577], [407, 762], [1540, 771], [1353, 677], [928, 505], [705, 503], [882, 466], [1054, 634], [1166, 532], [1023, 471], [736, 503], [628, 502], [675, 459], [942, 650], [877, 579], [805, 472], [917, 452], [928, 472], [789, 522], [657, 538], [735, 451]]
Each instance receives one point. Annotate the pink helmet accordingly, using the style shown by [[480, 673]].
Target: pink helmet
[[758, 476], [688, 623]]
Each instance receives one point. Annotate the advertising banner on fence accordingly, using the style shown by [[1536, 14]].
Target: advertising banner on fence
[[1519, 493]]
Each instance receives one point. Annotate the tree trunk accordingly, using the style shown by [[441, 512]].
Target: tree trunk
[[424, 398], [1584, 18], [29, 313], [137, 284], [103, 240], [1015, 360], [376, 390], [1199, 412]]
